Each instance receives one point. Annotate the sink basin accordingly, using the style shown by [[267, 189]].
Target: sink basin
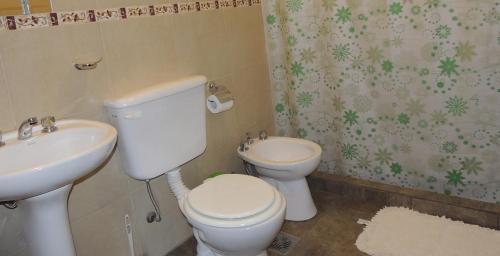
[[49, 161], [39, 172]]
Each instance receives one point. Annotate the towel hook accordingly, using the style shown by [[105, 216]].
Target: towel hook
[[88, 65]]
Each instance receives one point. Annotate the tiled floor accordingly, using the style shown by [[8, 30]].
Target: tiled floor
[[332, 232]]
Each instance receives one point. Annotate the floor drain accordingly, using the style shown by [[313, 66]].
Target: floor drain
[[284, 243]]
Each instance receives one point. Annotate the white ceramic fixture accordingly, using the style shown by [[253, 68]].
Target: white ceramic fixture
[[284, 163], [39, 173], [163, 127]]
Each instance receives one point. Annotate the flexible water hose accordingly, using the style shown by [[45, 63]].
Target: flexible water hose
[[250, 169], [153, 200], [9, 204], [176, 185]]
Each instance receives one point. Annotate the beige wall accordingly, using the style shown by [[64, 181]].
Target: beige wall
[[37, 78]]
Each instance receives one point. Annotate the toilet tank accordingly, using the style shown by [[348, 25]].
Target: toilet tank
[[160, 127]]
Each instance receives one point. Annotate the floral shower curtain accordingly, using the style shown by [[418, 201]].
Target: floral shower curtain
[[404, 92]]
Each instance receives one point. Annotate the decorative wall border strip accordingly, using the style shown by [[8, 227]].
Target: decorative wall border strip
[[52, 19]]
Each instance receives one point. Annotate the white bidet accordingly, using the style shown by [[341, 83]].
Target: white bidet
[[284, 163]]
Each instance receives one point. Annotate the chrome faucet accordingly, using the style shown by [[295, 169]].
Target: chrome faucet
[[243, 147], [263, 135], [25, 130], [49, 124], [249, 140]]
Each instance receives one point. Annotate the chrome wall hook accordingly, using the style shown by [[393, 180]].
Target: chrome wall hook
[[88, 65]]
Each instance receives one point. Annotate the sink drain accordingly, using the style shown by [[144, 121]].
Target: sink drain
[[284, 243]]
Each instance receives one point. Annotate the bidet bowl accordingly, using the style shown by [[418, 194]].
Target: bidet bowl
[[284, 163], [283, 158]]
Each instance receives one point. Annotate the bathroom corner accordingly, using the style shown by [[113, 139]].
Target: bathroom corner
[[37, 78]]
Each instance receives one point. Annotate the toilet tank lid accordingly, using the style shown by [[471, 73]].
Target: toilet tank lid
[[155, 92]]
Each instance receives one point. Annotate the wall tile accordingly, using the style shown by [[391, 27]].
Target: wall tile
[[153, 235], [469, 211], [65, 5], [12, 239], [204, 42], [121, 3], [138, 52], [336, 187], [6, 112], [98, 189], [40, 79], [103, 232], [457, 213], [40, 74], [399, 200], [254, 103], [315, 184], [246, 40]]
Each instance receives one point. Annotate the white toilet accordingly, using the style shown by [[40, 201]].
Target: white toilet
[[284, 163], [161, 128]]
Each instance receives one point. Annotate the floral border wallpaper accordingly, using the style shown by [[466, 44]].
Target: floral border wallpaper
[[404, 92], [40, 20]]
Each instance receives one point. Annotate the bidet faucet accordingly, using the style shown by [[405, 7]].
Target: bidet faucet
[[263, 135], [249, 140], [25, 130], [243, 147], [49, 124], [1, 141]]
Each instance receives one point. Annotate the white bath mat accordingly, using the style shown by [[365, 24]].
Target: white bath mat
[[398, 231]]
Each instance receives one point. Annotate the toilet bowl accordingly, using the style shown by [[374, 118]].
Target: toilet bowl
[[235, 215], [162, 127], [284, 163]]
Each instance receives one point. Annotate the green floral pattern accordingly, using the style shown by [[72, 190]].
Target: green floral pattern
[[405, 92]]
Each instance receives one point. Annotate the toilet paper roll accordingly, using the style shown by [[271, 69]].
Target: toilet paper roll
[[215, 105], [220, 99], [222, 93]]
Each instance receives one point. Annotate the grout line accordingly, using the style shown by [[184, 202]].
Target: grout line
[[40, 20]]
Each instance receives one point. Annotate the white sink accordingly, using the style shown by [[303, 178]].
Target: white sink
[[39, 173], [50, 161]]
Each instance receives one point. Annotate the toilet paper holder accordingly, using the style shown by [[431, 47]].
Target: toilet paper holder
[[212, 86], [220, 98]]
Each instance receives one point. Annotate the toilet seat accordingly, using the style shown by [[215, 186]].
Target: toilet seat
[[232, 200]]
